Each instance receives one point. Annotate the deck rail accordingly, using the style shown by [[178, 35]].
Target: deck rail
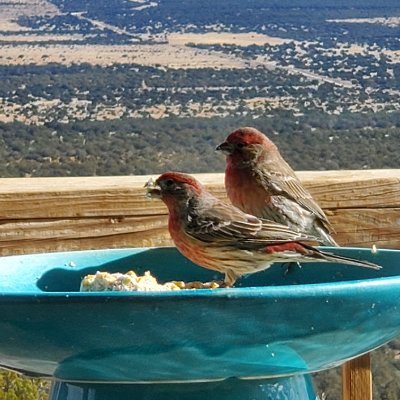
[[62, 214]]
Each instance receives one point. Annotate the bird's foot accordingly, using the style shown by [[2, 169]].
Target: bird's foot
[[223, 284], [290, 267]]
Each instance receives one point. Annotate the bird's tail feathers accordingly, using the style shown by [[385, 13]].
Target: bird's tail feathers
[[340, 259]]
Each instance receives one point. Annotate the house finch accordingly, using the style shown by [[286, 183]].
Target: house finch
[[260, 182], [220, 237]]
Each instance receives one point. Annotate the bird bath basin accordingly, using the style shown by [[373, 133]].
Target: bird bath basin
[[259, 340]]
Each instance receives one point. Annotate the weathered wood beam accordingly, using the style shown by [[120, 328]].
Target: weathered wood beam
[[52, 214]]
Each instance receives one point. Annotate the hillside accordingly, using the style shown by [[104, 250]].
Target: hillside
[[100, 60], [148, 146]]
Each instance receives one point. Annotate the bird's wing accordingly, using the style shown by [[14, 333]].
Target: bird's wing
[[285, 183], [226, 224]]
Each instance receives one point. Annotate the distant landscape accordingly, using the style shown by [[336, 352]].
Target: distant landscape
[[125, 87], [101, 87]]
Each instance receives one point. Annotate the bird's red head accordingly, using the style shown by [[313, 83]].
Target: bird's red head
[[173, 185], [244, 142], [246, 136]]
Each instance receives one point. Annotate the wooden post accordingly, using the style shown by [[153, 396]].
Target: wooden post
[[357, 379]]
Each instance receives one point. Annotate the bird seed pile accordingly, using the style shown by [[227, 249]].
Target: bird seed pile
[[131, 282]]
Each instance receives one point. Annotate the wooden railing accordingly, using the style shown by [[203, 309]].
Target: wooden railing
[[58, 214]]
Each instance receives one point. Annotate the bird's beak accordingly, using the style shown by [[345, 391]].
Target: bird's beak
[[153, 190], [226, 148]]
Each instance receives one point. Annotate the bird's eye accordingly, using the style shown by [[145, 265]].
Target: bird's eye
[[169, 182], [240, 145]]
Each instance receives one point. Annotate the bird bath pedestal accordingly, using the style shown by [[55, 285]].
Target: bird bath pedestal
[[259, 340]]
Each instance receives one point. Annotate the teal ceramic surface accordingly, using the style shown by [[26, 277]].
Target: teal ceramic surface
[[277, 323]]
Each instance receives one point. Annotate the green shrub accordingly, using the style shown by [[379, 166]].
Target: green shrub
[[14, 386]]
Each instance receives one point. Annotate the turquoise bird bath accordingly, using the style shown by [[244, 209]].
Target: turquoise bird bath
[[259, 340]]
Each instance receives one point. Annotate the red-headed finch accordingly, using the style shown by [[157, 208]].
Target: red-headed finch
[[220, 237], [260, 182]]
